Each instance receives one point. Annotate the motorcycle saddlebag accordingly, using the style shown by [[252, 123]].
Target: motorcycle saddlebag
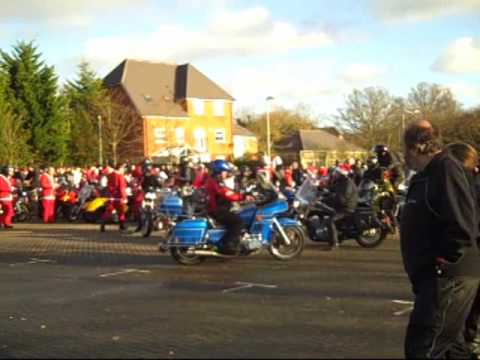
[[190, 232]]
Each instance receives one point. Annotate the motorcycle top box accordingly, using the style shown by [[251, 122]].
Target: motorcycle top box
[[172, 206]]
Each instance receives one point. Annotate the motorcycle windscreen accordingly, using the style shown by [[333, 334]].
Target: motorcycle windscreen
[[307, 193]]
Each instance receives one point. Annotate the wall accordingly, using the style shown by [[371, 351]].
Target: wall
[[195, 127], [244, 145]]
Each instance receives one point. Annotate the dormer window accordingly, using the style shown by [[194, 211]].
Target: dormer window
[[198, 107]]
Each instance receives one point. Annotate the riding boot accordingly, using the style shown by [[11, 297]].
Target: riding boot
[[123, 228], [102, 226]]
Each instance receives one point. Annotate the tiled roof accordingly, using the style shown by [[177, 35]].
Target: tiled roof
[[156, 89]]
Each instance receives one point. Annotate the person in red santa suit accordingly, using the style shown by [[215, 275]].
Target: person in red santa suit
[[117, 189], [6, 199], [48, 185]]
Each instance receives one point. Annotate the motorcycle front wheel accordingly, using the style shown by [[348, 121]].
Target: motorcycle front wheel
[[147, 224], [181, 256], [284, 252], [23, 214]]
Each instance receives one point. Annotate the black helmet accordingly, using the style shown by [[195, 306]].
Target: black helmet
[[380, 149], [383, 155]]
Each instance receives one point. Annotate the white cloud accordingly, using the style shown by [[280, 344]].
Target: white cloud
[[461, 57], [360, 74], [310, 82], [257, 34], [62, 12], [421, 10], [466, 91], [243, 23]]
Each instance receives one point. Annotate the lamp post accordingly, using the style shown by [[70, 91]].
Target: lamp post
[[409, 112], [269, 146], [100, 140]]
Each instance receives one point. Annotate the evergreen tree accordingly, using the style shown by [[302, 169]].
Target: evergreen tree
[[84, 97], [14, 150], [32, 90]]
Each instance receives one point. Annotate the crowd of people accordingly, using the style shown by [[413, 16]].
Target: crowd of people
[[130, 180]]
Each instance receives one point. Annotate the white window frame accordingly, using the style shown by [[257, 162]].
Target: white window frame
[[219, 108], [160, 135], [223, 136], [200, 134], [180, 135], [198, 106]]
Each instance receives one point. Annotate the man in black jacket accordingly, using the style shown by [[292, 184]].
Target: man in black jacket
[[439, 250], [343, 201]]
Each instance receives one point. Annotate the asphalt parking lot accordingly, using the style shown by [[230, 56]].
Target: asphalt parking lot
[[69, 291]]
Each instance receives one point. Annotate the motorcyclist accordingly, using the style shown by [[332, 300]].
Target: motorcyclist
[[245, 178], [342, 202], [392, 170], [219, 199], [186, 174], [150, 179]]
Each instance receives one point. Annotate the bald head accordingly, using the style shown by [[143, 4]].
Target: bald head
[[423, 137]]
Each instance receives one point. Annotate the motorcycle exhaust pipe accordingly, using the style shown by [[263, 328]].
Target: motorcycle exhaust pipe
[[208, 253]]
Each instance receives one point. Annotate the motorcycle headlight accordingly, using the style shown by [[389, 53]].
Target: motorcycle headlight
[[296, 204], [150, 196]]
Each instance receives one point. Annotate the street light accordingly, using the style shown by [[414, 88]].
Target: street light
[[269, 100], [100, 140], [409, 112]]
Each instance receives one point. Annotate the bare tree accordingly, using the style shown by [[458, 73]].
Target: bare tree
[[435, 103], [122, 128], [370, 116]]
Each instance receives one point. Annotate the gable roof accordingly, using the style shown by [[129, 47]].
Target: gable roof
[[241, 131], [156, 89], [316, 140]]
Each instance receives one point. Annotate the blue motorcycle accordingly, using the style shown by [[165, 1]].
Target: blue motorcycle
[[162, 209], [192, 241]]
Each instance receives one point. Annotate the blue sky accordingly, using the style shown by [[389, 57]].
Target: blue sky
[[313, 52]]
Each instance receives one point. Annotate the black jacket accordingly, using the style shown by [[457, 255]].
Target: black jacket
[[150, 181], [440, 220], [344, 196]]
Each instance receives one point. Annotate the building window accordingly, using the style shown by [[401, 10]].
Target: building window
[[160, 135], [180, 135], [198, 107], [200, 140], [220, 136], [219, 108]]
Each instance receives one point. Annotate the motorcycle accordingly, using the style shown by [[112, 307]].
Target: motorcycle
[[192, 241], [367, 226], [67, 198], [162, 209], [23, 212], [86, 194], [382, 198]]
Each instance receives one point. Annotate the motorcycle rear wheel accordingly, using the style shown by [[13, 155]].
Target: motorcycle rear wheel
[[180, 255], [371, 238], [283, 252]]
